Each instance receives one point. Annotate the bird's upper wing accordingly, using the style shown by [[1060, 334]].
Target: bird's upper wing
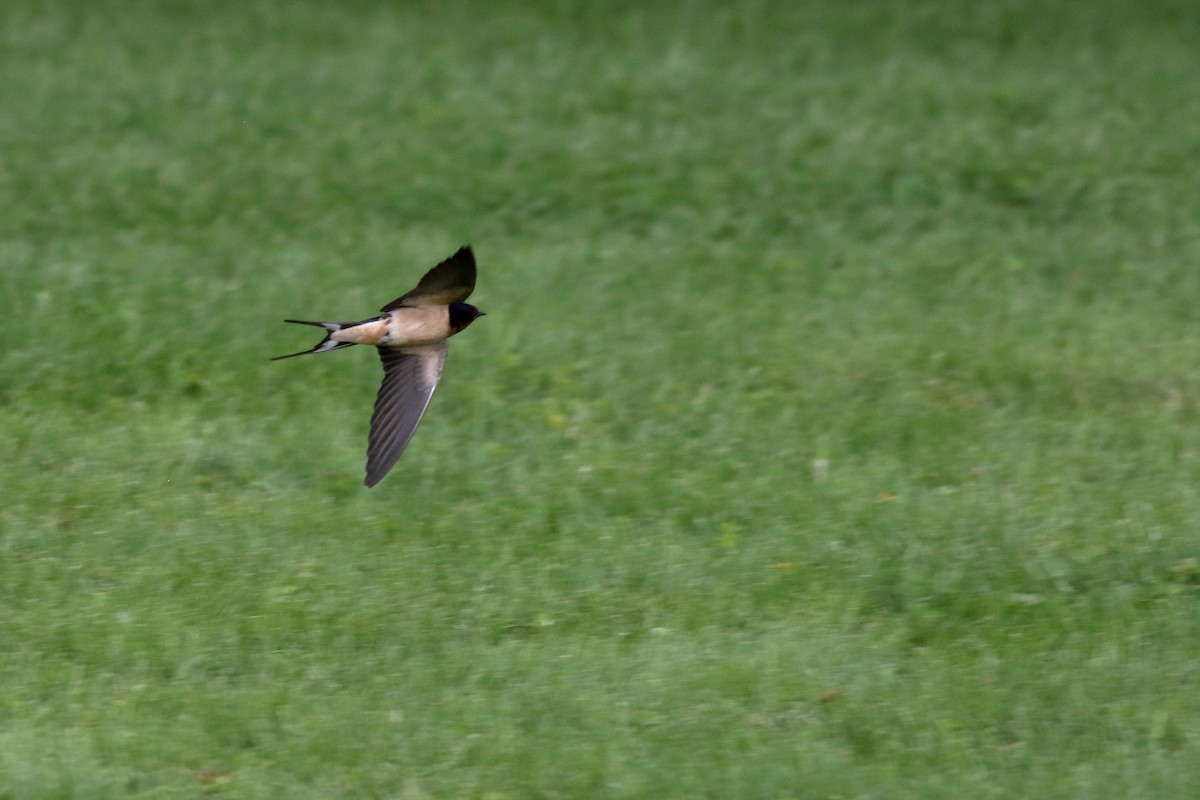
[[409, 378], [451, 281]]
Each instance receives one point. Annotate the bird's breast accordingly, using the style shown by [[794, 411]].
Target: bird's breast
[[409, 327]]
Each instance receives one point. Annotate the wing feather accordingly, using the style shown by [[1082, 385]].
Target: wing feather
[[409, 378], [451, 281]]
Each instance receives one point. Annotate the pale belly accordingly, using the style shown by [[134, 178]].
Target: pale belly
[[404, 327]]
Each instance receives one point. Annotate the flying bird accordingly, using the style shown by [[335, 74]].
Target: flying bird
[[410, 336]]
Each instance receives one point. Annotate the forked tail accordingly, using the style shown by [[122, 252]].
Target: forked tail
[[326, 344]]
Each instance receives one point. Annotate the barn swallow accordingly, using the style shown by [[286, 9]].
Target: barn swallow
[[410, 336]]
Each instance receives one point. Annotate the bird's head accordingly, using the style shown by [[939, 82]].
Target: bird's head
[[462, 315]]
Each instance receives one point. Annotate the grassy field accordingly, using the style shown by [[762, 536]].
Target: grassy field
[[832, 433]]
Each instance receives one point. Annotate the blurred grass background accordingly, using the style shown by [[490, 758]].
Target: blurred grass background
[[831, 434]]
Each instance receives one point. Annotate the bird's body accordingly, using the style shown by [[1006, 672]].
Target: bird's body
[[401, 327], [411, 336]]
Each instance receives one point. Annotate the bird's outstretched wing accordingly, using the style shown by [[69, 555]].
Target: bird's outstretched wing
[[451, 281], [409, 378]]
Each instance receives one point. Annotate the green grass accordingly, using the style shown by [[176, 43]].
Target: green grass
[[832, 433]]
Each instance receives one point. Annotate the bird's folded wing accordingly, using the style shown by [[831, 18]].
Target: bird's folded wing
[[409, 378], [451, 281]]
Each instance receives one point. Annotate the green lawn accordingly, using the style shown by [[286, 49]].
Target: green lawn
[[832, 433]]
